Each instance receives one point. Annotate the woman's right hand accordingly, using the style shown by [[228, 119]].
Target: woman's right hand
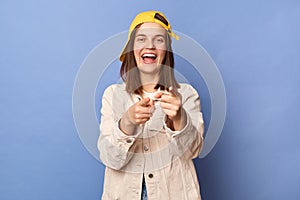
[[141, 111], [138, 113]]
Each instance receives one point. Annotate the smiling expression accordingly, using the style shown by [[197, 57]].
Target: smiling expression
[[150, 47]]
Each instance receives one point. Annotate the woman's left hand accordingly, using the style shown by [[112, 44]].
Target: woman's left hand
[[171, 104]]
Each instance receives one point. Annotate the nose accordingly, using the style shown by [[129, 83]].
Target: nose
[[149, 44]]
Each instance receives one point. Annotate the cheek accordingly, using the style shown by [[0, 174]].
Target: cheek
[[136, 50], [162, 53], [136, 54], [137, 46], [137, 57]]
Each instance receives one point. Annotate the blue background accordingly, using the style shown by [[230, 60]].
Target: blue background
[[255, 45]]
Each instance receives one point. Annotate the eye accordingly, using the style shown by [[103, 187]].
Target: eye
[[140, 39], [159, 40]]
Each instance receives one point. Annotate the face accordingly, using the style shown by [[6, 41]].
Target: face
[[149, 47]]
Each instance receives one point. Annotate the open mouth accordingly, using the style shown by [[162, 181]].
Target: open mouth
[[149, 58]]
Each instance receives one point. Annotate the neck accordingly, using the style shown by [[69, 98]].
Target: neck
[[149, 82]]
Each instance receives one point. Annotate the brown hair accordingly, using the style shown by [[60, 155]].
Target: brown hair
[[130, 73]]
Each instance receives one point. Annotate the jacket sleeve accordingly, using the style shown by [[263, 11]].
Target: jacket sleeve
[[188, 142], [115, 147]]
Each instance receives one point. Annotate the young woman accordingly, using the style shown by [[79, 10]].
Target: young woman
[[151, 126]]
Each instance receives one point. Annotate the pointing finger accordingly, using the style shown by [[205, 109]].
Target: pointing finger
[[144, 102]]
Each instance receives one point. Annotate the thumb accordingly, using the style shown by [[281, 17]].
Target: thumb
[[173, 91], [158, 95]]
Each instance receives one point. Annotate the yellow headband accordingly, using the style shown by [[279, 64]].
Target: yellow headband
[[149, 16]]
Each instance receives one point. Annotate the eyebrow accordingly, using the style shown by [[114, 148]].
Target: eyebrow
[[158, 35]]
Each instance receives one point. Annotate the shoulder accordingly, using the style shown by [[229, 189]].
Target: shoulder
[[110, 90], [187, 89], [116, 92], [190, 97]]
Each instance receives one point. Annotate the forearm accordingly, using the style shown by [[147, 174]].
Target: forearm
[[188, 140], [126, 125], [178, 122]]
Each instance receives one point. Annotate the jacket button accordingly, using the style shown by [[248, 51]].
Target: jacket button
[[129, 140], [150, 175], [146, 148]]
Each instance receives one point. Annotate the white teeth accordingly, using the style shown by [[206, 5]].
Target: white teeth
[[149, 55]]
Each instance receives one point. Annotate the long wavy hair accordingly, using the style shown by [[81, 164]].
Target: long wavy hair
[[129, 71]]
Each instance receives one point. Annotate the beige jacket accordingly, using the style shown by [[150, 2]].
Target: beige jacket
[[163, 156]]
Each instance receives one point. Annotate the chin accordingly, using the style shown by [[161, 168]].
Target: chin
[[149, 68]]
